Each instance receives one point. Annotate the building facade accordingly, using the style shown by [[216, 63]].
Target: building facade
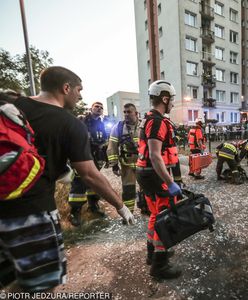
[[116, 102], [199, 51]]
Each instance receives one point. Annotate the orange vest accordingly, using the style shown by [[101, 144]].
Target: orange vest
[[195, 134], [169, 151]]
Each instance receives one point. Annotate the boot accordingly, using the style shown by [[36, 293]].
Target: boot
[[150, 251], [220, 177], [75, 217], [199, 177], [94, 207], [236, 177], [161, 269]]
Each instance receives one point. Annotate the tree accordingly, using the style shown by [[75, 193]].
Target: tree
[[40, 60], [80, 108], [8, 72], [14, 72]]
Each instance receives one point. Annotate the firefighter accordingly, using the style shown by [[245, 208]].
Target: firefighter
[[196, 141], [157, 152], [79, 193], [123, 150], [243, 147], [228, 152]]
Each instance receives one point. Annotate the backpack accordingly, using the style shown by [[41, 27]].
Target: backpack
[[20, 164]]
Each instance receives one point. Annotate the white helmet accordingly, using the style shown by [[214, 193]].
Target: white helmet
[[159, 86]]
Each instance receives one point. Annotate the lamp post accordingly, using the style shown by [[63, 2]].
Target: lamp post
[[29, 61]]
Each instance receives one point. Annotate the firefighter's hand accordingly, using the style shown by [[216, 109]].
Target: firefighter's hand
[[174, 189], [116, 170], [126, 214]]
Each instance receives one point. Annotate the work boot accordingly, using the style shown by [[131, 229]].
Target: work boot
[[191, 174], [150, 251], [220, 177], [236, 177], [199, 177], [75, 217], [94, 207], [161, 269]]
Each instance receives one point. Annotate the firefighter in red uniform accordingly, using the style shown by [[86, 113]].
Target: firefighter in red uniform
[[157, 152], [196, 141]]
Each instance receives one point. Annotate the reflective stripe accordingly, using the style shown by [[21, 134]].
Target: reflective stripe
[[226, 155], [157, 243], [113, 139], [113, 157], [77, 198], [230, 147], [90, 193], [32, 174], [129, 203]]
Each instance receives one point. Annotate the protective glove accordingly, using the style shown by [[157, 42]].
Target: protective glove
[[126, 214], [116, 170], [174, 189]]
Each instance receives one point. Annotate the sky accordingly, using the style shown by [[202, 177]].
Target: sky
[[94, 38]]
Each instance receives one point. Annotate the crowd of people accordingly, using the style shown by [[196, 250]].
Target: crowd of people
[[144, 153]]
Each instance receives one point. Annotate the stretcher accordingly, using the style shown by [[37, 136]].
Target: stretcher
[[199, 161]]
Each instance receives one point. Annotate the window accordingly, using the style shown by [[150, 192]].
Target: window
[[219, 53], [191, 68], [233, 57], [160, 31], [148, 64], [234, 77], [159, 9], [219, 8], [190, 18], [161, 54], [144, 4], [190, 43], [147, 44], [218, 117], [146, 24], [192, 91], [234, 98], [192, 115], [234, 117], [233, 37], [162, 75], [233, 15], [219, 31], [220, 75], [220, 96]]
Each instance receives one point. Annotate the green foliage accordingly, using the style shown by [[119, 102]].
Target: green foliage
[[79, 109], [14, 70]]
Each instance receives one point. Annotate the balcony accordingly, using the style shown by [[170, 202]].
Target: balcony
[[207, 58], [206, 11], [208, 80], [209, 102], [207, 36]]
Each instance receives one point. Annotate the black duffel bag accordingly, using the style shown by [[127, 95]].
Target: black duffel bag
[[188, 216]]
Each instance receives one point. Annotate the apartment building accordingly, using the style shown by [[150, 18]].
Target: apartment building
[[197, 46], [116, 102]]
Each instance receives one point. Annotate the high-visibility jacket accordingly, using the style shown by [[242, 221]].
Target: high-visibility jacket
[[163, 130], [123, 144], [227, 150], [195, 137]]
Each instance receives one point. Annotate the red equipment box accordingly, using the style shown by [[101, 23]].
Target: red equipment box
[[199, 161]]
